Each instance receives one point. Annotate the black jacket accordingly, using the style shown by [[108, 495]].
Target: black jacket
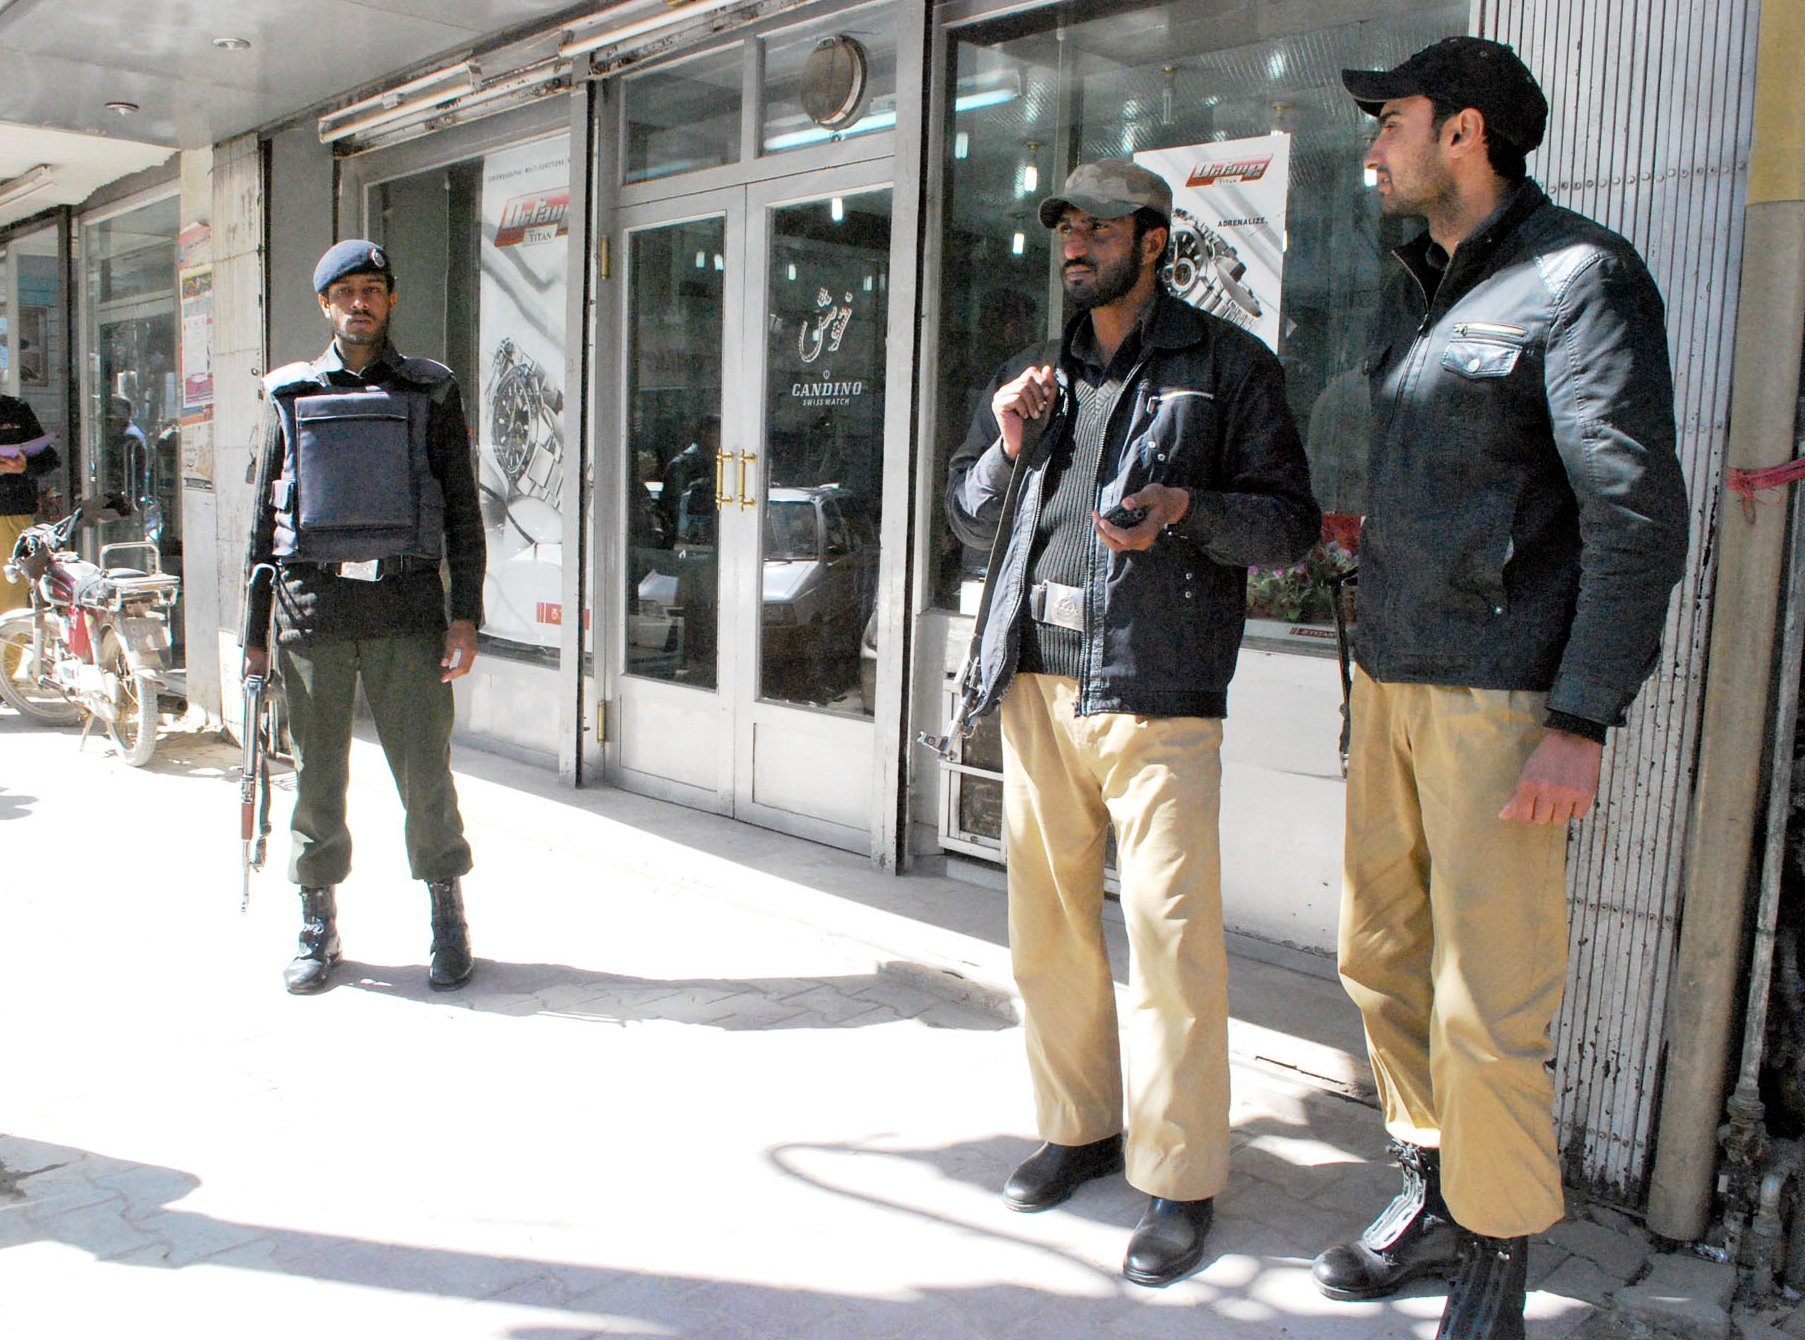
[[19, 427], [1526, 515], [1206, 404], [313, 606]]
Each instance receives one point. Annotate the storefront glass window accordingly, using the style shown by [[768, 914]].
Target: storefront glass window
[[1278, 235], [830, 79], [1284, 240], [34, 346], [829, 303], [678, 317], [684, 117], [479, 250], [132, 403]]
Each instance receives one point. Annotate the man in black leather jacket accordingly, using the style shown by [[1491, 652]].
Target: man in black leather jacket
[[1110, 643], [1526, 523]]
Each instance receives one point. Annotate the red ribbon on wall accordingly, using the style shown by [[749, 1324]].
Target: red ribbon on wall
[[1745, 484]]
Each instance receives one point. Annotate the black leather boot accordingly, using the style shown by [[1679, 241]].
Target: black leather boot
[[1168, 1242], [319, 947], [1414, 1235], [451, 963], [1051, 1173], [1486, 1302]]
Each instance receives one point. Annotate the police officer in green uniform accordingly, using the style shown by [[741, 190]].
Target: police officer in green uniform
[[364, 490]]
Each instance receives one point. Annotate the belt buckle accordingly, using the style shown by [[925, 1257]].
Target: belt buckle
[[1057, 604], [1065, 606], [369, 570]]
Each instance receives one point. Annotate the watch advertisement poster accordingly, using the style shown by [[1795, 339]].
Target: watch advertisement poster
[[519, 411], [1228, 227]]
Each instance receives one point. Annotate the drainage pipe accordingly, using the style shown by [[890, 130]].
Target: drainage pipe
[[1750, 563]]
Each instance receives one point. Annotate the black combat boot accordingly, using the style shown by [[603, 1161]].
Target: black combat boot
[[1414, 1235], [451, 962], [1486, 1302], [319, 947]]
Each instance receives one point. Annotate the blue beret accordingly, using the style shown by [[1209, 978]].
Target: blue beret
[[353, 256]]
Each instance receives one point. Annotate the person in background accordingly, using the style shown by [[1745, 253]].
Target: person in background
[[26, 456]]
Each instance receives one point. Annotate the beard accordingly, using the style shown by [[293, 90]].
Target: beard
[[356, 337], [1109, 282]]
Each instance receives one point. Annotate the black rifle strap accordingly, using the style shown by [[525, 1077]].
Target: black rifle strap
[[999, 543]]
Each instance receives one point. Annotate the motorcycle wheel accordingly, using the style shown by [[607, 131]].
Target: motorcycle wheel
[[39, 703], [134, 724]]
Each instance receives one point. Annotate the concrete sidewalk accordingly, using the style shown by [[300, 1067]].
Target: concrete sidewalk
[[707, 1081]]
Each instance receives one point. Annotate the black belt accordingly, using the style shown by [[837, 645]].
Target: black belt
[[388, 567]]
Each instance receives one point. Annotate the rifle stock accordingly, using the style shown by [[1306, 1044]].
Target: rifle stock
[[253, 774]]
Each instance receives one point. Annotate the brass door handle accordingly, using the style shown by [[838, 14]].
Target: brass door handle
[[721, 496], [746, 458]]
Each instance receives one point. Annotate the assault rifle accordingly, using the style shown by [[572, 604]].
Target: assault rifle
[[1341, 586], [253, 776]]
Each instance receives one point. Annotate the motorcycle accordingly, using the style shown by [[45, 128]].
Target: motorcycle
[[93, 644]]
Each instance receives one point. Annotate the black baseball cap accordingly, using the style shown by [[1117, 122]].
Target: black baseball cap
[[1468, 72]]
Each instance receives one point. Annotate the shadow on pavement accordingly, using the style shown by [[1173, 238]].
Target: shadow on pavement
[[732, 1004], [126, 1213]]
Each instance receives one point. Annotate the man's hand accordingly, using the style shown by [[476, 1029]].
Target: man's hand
[[1164, 505], [256, 662], [12, 465], [1558, 781], [1029, 396], [460, 650]]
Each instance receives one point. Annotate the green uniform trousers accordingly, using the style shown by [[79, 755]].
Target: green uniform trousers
[[1454, 941], [413, 713], [1066, 779]]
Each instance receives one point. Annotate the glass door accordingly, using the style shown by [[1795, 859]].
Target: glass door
[[678, 640], [754, 385]]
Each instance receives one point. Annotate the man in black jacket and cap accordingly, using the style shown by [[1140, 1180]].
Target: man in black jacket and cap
[[1165, 463], [1526, 521]]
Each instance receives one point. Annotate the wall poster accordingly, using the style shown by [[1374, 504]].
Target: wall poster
[[195, 408], [519, 412], [1228, 226]]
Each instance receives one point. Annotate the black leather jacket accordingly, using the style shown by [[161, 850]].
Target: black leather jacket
[[1205, 405], [1526, 514]]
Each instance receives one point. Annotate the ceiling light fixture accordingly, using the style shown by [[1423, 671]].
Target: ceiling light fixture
[[391, 100], [123, 108], [232, 43], [544, 76], [626, 32], [27, 183]]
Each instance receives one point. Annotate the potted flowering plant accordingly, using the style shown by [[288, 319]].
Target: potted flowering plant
[[1301, 592]]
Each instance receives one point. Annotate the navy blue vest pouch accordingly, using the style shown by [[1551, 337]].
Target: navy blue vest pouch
[[355, 483]]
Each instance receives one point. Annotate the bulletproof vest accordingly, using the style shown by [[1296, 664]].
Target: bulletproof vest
[[355, 482]]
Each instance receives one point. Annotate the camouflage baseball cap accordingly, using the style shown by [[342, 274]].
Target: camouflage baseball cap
[[1108, 189]]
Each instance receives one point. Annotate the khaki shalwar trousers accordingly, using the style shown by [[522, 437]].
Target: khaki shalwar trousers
[[13, 595], [1066, 779], [1454, 941]]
